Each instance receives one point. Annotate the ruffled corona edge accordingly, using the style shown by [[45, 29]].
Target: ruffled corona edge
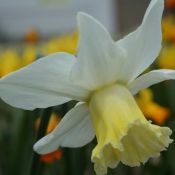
[[140, 142]]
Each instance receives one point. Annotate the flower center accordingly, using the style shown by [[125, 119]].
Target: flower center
[[108, 103]]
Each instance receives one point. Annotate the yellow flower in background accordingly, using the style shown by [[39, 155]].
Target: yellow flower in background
[[12, 59], [57, 154], [166, 58], [151, 109], [64, 43], [29, 54], [168, 28], [9, 61], [53, 122]]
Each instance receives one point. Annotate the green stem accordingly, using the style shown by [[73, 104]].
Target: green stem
[[67, 156], [36, 164]]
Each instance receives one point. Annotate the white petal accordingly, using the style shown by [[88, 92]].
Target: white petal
[[144, 44], [74, 130], [150, 78], [99, 60], [44, 83]]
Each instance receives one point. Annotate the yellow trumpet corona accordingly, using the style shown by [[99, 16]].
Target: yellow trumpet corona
[[123, 133]]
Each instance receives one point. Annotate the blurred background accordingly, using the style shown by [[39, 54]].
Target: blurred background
[[36, 28]]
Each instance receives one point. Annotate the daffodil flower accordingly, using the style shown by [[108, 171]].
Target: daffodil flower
[[104, 77]]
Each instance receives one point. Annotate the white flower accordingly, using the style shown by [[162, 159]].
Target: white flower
[[104, 77]]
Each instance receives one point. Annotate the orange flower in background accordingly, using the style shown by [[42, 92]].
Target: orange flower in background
[[51, 157], [32, 36], [170, 3], [151, 109], [168, 28], [56, 155]]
